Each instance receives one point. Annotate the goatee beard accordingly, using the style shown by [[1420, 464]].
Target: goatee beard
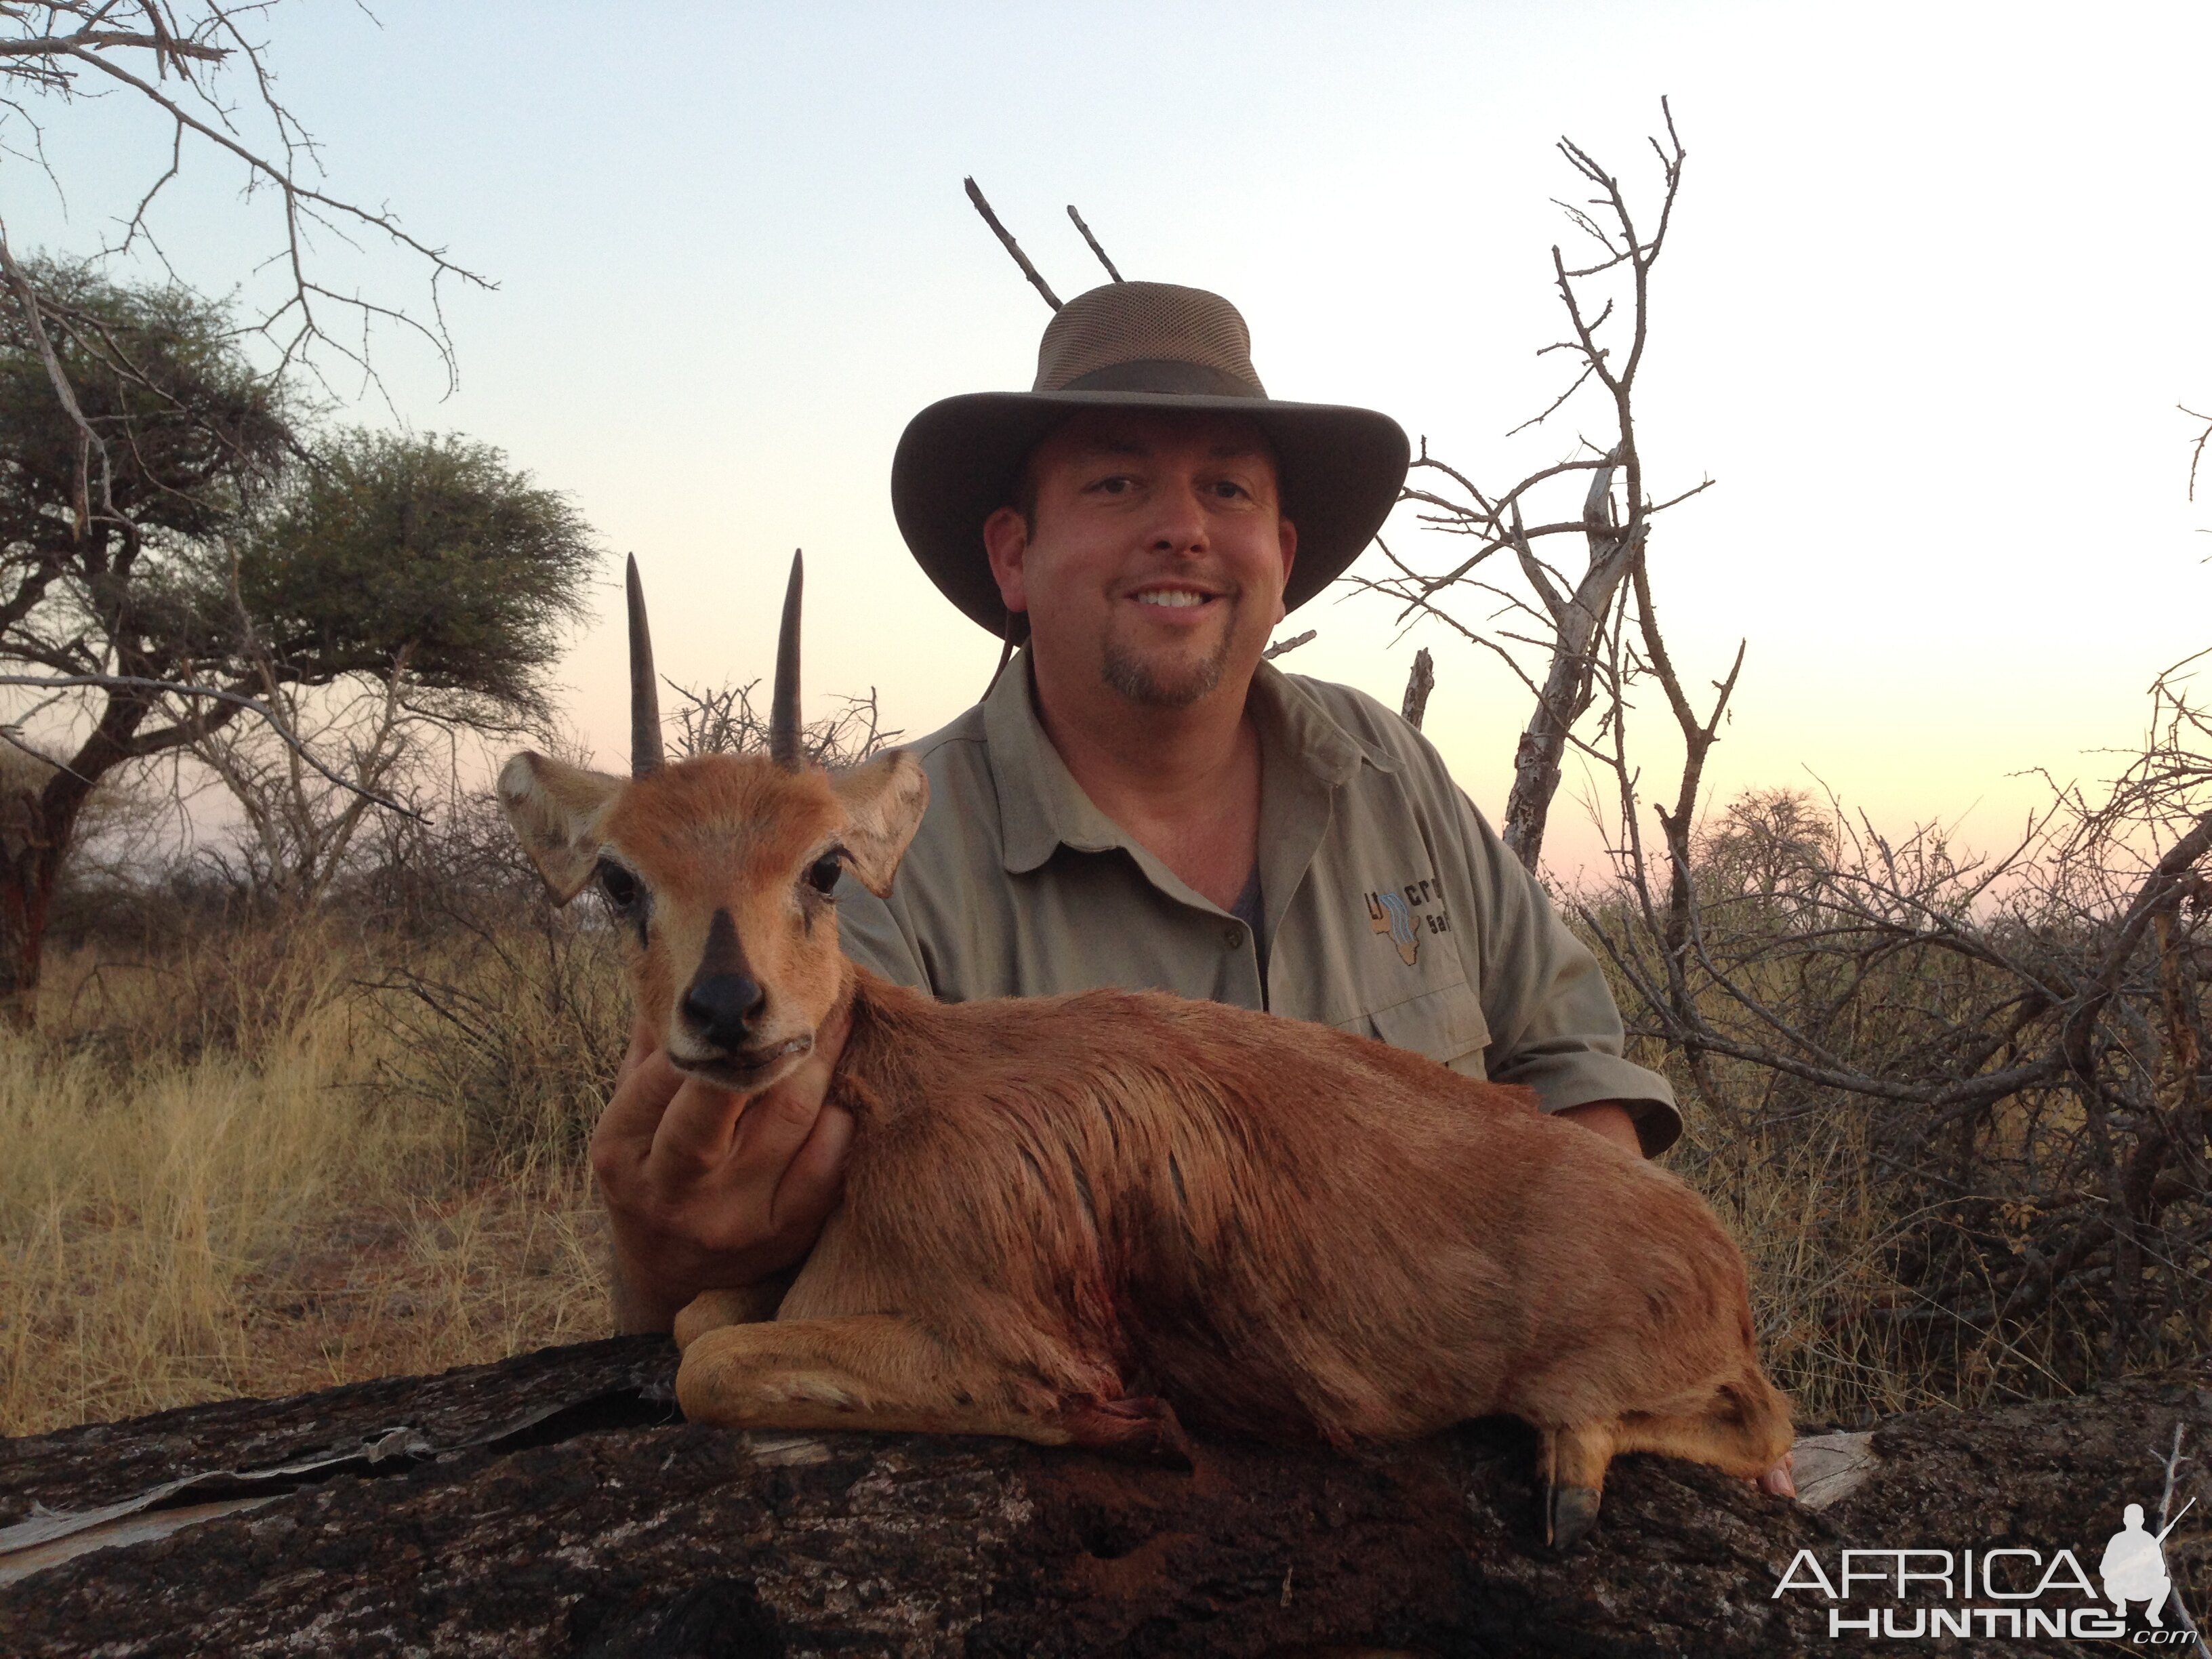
[[1177, 685]]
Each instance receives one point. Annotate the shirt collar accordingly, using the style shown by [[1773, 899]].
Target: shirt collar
[[1042, 807]]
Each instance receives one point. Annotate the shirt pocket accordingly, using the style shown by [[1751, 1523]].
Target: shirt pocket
[[1446, 1025]]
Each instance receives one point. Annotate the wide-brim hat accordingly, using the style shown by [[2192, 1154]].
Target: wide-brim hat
[[1139, 345]]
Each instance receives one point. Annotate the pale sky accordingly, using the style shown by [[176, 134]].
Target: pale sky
[[1936, 283]]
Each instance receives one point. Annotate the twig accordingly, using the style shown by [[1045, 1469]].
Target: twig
[[8, 735], [1573, 387], [1093, 241], [54, 61], [1291, 644], [1006, 237], [2173, 1461], [2196, 453], [53, 46]]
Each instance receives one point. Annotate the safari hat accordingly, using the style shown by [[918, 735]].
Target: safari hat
[[1138, 345]]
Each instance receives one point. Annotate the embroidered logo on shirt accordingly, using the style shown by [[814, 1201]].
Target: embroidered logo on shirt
[[1402, 913]]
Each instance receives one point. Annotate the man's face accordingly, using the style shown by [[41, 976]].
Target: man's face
[[1158, 554]]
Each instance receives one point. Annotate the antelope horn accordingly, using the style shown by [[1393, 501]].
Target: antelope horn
[[783, 746], [645, 755]]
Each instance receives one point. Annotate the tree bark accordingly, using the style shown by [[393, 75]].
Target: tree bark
[[1419, 684], [553, 1504], [39, 825], [35, 840], [1576, 620]]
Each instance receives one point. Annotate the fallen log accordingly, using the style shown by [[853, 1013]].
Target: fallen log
[[554, 1503]]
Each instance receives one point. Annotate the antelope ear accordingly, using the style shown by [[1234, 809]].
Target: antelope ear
[[556, 809], [884, 802]]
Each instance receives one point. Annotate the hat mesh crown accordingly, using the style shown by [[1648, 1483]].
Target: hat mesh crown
[[1144, 322]]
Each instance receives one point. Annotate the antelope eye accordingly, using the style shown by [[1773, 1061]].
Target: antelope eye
[[620, 886], [822, 874]]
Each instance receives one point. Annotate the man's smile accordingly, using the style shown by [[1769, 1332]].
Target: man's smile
[[1173, 596]]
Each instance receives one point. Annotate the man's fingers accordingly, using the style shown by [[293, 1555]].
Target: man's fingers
[[643, 1040], [643, 1089], [693, 1136]]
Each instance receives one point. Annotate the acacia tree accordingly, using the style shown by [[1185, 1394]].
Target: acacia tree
[[237, 562], [443, 576], [161, 426], [94, 603]]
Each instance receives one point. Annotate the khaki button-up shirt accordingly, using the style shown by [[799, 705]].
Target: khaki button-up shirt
[[1390, 908]]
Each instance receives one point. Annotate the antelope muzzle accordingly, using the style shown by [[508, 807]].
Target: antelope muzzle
[[724, 1032]]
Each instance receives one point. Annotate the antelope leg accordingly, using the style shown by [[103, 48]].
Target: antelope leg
[[882, 1371], [740, 1305]]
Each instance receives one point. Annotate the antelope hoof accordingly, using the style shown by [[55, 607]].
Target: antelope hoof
[[1569, 1514], [1142, 1429]]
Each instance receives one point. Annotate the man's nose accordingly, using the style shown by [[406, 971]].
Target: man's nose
[[722, 1008], [1179, 523]]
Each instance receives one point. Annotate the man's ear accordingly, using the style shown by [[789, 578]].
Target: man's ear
[[1006, 545], [884, 802], [556, 809], [1287, 534]]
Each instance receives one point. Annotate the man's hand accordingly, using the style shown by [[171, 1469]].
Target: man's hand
[[1610, 1119], [704, 1189]]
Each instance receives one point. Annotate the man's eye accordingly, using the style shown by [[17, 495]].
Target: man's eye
[[822, 875], [1229, 487], [1117, 485], [620, 886]]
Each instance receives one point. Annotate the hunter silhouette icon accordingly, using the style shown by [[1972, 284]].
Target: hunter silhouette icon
[[2134, 1567]]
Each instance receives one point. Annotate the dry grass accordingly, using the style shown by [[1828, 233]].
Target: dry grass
[[1814, 1227], [211, 1185]]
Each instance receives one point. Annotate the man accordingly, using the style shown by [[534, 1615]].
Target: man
[[1139, 800]]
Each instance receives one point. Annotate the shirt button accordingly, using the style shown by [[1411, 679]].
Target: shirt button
[[1231, 938]]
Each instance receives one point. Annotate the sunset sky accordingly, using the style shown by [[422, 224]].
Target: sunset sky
[[1936, 283]]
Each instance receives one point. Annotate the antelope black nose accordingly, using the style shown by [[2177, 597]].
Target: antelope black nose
[[721, 1007]]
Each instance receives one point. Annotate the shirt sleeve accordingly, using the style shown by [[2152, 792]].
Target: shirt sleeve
[[1554, 1025]]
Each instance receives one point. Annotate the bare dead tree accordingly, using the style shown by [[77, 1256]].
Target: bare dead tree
[[722, 720], [2020, 1040], [2012, 1048], [303, 818], [1552, 635]]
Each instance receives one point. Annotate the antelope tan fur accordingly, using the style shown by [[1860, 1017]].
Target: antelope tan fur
[[1087, 1220]]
